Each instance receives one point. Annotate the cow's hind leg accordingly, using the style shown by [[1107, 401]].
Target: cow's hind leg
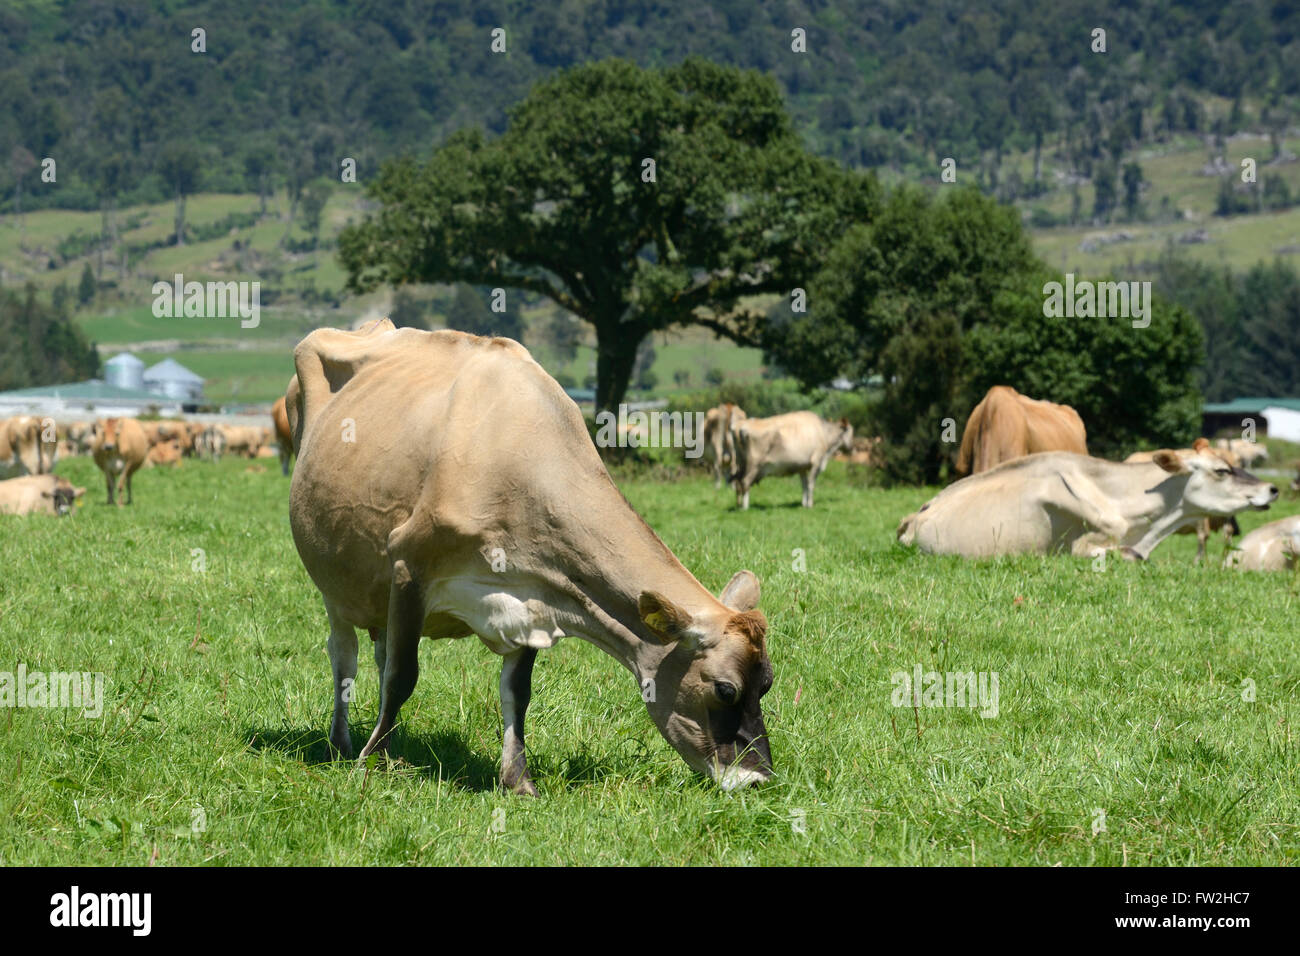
[[402, 663], [343, 661], [809, 480], [516, 690], [379, 637]]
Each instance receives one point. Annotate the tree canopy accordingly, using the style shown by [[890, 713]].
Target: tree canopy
[[638, 200]]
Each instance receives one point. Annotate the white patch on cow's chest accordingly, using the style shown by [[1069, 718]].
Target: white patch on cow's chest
[[504, 622]]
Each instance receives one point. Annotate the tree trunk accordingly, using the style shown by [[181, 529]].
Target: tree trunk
[[616, 345], [180, 219]]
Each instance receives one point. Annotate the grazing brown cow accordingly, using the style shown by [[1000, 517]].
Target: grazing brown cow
[[119, 447], [38, 494], [447, 486], [1007, 425], [283, 438]]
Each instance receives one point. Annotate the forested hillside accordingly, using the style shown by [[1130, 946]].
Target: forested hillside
[[113, 91]]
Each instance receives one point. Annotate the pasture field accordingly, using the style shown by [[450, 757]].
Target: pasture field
[[1121, 701]]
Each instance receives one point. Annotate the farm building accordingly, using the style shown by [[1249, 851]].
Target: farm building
[[171, 379], [1275, 417]]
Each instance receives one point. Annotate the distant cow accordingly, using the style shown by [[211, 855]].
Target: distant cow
[[283, 437], [401, 531], [1061, 502], [28, 446], [797, 443], [119, 446], [211, 443], [1206, 526], [719, 446], [242, 440], [1272, 547], [1249, 453], [38, 494], [1007, 425], [165, 453]]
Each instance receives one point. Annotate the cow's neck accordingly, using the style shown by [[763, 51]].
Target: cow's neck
[[600, 564], [1154, 514]]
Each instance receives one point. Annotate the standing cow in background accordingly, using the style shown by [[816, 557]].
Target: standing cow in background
[[119, 447], [283, 437], [797, 443], [447, 486], [1249, 453], [719, 445], [1007, 425]]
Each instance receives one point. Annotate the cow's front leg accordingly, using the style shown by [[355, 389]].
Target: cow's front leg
[[402, 660], [343, 662], [516, 690], [808, 479]]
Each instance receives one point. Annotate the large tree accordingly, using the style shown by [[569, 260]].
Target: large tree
[[565, 204], [942, 299]]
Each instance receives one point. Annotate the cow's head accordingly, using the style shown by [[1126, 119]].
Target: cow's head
[[705, 693], [845, 441], [103, 435], [1214, 486], [64, 495]]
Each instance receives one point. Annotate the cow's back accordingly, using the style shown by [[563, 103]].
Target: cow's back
[[469, 432]]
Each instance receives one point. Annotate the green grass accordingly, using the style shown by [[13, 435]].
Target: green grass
[[1119, 691]]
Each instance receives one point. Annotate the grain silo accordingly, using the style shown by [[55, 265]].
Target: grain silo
[[125, 371]]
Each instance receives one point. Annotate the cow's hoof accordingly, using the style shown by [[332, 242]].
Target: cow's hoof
[[523, 787], [1130, 555]]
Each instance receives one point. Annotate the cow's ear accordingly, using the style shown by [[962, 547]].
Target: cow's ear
[[1201, 444], [1169, 461], [741, 592], [77, 492], [666, 620]]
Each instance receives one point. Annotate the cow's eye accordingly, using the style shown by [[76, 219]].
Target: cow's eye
[[725, 690], [1224, 472]]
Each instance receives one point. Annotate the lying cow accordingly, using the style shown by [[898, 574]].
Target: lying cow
[[38, 494], [719, 445], [1272, 547], [119, 447], [1057, 501], [465, 496], [283, 437], [166, 453], [1007, 425], [1206, 526], [797, 443]]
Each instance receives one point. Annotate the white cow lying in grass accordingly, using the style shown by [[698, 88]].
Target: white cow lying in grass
[[1272, 547], [1059, 501]]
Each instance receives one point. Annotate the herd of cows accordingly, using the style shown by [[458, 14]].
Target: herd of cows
[[30, 447], [446, 486]]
